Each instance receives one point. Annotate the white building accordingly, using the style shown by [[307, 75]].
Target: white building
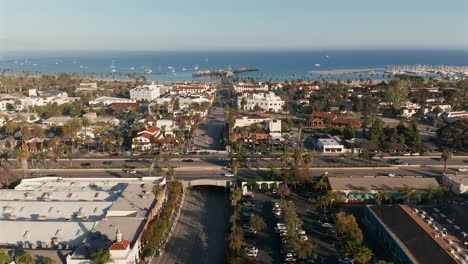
[[329, 145], [270, 124], [269, 102], [80, 214], [146, 92], [458, 183], [250, 87], [106, 100]]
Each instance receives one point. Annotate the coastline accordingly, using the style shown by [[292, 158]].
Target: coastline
[[348, 71]]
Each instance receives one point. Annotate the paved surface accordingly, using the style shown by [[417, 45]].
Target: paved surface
[[209, 135], [199, 236]]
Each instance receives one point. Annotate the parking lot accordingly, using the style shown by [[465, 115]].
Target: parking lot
[[268, 241]]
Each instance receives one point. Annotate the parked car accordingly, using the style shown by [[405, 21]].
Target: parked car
[[187, 160], [131, 171], [85, 164], [228, 174], [462, 169], [36, 174], [345, 260]]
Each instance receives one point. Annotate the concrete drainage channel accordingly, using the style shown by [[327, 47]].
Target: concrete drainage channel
[[174, 219]]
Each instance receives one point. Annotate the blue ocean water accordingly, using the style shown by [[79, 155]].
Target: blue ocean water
[[272, 65]]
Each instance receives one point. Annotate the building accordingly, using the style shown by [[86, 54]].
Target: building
[[146, 92], [451, 117], [329, 145], [362, 188], [269, 102], [87, 87], [407, 237], [250, 87], [458, 183], [325, 119], [80, 214], [56, 121], [270, 125], [107, 100]]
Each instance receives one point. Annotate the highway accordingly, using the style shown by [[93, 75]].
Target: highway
[[206, 170]]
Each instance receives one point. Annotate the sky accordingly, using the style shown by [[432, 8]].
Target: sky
[[232, 25]]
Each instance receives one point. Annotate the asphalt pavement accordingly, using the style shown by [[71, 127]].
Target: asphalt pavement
[[199, 236]]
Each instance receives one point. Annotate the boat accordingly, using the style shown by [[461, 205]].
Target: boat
[[113, 70], [132, 68], [184, 69], [170, 67], [196, 67], [317, 65]]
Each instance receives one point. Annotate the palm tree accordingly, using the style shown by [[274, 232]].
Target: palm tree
[[308, 159], [22, 156], [172, 173], [321, 184], [285, 156], [297, 156], [381, 197], [446, 155], [85, 122], [235, 196], [4, 257]]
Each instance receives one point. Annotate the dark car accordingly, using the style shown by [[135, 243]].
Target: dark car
[[85, 164], [331, 234], [187, 160], [107, 162]]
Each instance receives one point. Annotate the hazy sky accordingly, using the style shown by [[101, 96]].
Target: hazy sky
[[232, 25]]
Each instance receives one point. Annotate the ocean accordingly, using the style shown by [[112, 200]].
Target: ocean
[[272, 65]]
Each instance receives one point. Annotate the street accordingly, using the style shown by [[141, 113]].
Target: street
[[199, 236]]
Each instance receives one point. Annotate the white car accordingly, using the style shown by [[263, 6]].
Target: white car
[[303, 237], [131, 171], [462, 169], [251, 249], [301, 232], [391, 174], [228, 174]]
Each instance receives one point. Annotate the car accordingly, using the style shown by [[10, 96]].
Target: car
[[251, 254], [327, 225], [85, 164], [131, 171], [107, 162], [301, 232], [187, 160], [274, 191], [332, 235], [391, 174], [36, 174], [251, 249], [345, 260], [228, 174], [303, 237], [462, 169]]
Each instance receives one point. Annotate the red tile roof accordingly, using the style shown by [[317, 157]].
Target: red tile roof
[[120, 245], [152, 129], [347, 121], [323, 115]]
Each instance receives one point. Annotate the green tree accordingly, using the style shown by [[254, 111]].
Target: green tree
[[45, 260], [4, 257], [235, 196], [257, 223], [283, 190], [445, 156], [172, 173], [25, 258], [101, 256], [349, 132], [243, 103]]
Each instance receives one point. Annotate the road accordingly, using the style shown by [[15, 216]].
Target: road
[[199, 236], [200, 170], [209, 135]]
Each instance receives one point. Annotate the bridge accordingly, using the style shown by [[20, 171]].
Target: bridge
[[228, 183]]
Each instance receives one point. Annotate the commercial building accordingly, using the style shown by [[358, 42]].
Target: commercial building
[[458, 183], [269, 102], [250, 87], [107, 100], [362, 188], [329, 145], [407, 237], [146, 92], [81, 215]]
